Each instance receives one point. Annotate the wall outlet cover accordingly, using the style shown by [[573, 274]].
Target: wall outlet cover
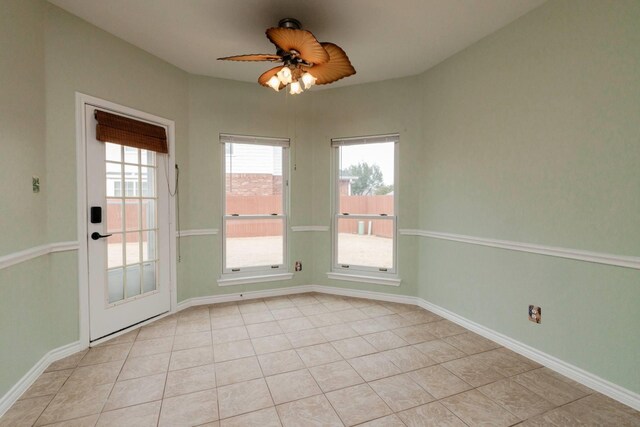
[[535, 314], [298, 266], [35, 184]]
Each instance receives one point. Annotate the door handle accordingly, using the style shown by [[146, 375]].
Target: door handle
[[95, 235]]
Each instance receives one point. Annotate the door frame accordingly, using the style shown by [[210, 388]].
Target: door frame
[[82, 211]]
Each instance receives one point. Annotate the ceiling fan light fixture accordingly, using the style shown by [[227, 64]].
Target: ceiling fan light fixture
[[308, 80], [274, 83], [300, 52], [295, 88], [285, 76]]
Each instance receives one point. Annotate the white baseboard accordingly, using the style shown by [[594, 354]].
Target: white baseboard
[[579, 375], [30, 377], [230, 280], [596, 383], [378, 296], [588, 379], [386, 281], [240, 296]]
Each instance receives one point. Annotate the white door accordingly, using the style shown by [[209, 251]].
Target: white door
[[128, 247]]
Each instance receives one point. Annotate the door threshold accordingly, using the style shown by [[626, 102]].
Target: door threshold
[[130, 328]]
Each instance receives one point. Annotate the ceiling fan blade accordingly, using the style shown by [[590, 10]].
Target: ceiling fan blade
[[264, 77], [301, 41], [336, 68], [252, 57]]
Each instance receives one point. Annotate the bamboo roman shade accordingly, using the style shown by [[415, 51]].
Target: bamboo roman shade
[[132, 133]]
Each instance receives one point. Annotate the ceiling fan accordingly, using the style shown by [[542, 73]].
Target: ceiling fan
[[305, 59]]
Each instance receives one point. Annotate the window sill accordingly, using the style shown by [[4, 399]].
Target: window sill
[[375, 280], [229, 280]]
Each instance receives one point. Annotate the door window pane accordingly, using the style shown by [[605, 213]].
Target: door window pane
[[365, 242], [148, 181], [254, 242], [132, 214], [113, 152], [148, 277], [131, 218], [114, 215], [114, 179], [147, 157], [115, 285], [131, 155], [114, 251], [131, 179], [133, 280], [148, 214], [132, 248], [148, 245]]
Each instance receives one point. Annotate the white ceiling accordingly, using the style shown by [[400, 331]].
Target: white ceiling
[[384, 38]]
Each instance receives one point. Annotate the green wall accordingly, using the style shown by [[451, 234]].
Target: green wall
[[24, 305], [22, 125], [529, 135], [532, 135]]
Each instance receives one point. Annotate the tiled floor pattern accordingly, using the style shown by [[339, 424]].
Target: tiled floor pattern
[[307, 360]]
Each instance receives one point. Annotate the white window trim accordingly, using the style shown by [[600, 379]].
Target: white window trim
[[256, 274], [355, 272]]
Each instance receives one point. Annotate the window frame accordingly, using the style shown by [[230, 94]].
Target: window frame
[[254, 271], [361, 270]]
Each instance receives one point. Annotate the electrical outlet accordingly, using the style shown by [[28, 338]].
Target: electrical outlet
[[35, 184], [535, 314], [298, 266]]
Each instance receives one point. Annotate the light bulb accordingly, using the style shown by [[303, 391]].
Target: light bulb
[[308, 80], [274, 83], [295, 88], [284, 75]]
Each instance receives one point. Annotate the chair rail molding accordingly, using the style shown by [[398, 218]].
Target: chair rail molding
[[298, 228], [576, 254], [35, 252], [197, 232]]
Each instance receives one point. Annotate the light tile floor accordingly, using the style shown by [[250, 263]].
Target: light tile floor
[[307, 360]]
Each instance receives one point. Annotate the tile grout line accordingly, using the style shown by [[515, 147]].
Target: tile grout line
[[327, 341], [264, 378], [324, 394], [213, 356], [56, 393], [437, 338]]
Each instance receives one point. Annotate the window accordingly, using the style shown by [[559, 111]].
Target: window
[[255, 205], [132, 249], [365, 205]]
